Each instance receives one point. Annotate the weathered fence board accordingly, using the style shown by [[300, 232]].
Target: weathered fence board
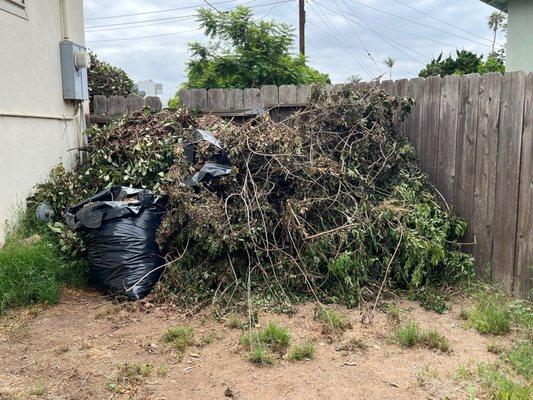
[[508, 172], [523, 275], [474, 138], [485, 169], [105, 109], [445, 180]]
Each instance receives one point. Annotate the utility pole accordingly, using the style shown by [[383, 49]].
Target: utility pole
[[302, 25]]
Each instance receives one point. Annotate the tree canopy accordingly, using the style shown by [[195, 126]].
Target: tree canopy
[[465, 62], [244, 52], [108, 80]]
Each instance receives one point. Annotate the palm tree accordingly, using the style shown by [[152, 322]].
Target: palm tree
[[389, 62], [496, 21]]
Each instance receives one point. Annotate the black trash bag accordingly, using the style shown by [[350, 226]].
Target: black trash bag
[[118, 227], [219, 165]]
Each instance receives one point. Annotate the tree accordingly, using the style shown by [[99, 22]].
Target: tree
[[108, 80], [464, 63], [389, 62], [246, 53], [497, 20]]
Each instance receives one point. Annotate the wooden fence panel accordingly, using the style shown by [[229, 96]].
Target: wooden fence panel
[[523, 275], [116, 105], [445, 179], [234, 99], [216, 99], [466, 151], [485, 170], [100, 105], [429, 134], [287, 94], [508, 170], [415, 119], [134, 103]]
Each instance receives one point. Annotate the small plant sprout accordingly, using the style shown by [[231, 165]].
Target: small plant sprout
[[273, 338], [332, 320], [304, 351], [260, 355], [180, 337]]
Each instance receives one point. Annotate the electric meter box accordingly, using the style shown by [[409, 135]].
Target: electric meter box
[[74, 66]]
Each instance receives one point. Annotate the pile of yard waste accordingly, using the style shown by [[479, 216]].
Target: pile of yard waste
[[329, 203]]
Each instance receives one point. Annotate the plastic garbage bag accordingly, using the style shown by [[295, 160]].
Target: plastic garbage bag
[[219, 165], [118, 227]]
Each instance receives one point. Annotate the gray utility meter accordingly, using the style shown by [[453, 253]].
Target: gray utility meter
[[75, 61]]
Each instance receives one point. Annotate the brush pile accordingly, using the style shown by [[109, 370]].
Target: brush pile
[[328, 203]]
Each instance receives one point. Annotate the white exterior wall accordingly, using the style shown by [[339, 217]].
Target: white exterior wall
[[520, 36], [30, 83]]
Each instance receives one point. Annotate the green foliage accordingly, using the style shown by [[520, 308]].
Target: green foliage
[[332, 320], [108, 80], [465, 62], [272, 337], [408, 335], [490, 314], [32, 269], [180, 337], [432, 339], [499, 386], [302, 351], [253, 53], [430, 299], [520, 356], [260, 355]]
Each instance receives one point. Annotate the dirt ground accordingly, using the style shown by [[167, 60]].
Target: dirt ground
[[74, 350]]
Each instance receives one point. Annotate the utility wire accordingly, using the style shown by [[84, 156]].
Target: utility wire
[[444, 22], [142, 37], [331, 27], [390, 41], [418, 23], [211, 5], [156, 12]]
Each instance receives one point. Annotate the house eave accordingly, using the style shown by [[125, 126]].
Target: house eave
[[502, 5]]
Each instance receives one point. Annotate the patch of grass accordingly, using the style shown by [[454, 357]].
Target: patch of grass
[[424, 375], [495, 348], [208, 338], [180, 337], [37, 390], [520, 356], [332, 320], [434, 340], [393, 312], [272, 336], [302, 352], [163, 370], [462, 373], [234, 322], [129, 375], [261, 355], [499, 386], [490, 315], [408, 335]]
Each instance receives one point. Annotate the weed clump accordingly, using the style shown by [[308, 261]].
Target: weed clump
[[272, 336], [520, 356], [332, 321], [180, 337], [302, 352], [500, 386], [261, 355], [410, 335], [490, 315]]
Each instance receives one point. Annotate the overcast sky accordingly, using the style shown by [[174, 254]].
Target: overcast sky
[[339, 33]]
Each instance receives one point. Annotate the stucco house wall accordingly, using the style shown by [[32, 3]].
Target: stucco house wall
[[520, 36], [30, 84]]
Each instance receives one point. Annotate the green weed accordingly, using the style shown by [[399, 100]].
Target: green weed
[[332, 320], [393, 312], [432, 339], [462, 373], [495, 348], [181, 337], [208, 338], [490, 314], [301, 352], [260, 355], [499, 386], [520, 356], [272, 336], [430, 300], [408, 335], [37, 390], [234, 322]]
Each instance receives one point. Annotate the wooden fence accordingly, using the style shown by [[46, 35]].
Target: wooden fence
[[474, 138], [107, 108]]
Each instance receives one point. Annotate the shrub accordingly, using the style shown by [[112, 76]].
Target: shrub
[[301, 352]]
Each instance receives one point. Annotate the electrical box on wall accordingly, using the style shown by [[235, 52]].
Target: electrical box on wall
[[75, 61]]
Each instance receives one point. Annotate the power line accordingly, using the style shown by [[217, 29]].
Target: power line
[[211, 5], [156, 12], [390, 41], [142, 37], [442, 21], [418, 23]]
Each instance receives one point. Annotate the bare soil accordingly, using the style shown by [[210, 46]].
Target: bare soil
[[75, 350]]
